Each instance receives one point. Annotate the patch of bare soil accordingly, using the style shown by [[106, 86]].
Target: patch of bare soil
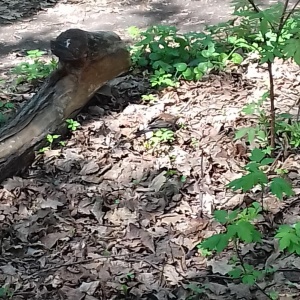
[[106, 218]]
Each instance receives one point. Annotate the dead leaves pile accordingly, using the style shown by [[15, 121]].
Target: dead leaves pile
[[104, 218], [10, 11]]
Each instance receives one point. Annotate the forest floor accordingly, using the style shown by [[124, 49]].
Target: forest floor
[[105, 217]]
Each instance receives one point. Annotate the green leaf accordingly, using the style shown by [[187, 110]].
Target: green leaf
[[216, 242], [221, 216], [237, 58], [247, 232], [257, 155], [3, 292], [267, 161], [241, 133], [297, 228], [155, 56], [248, 279], [287, 238], [188, 74], [235, 273], [247, 182], [280, 186], [180, 67], [142, 61], [264, 26], [232, 230]]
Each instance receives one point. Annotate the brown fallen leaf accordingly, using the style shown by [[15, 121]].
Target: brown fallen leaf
[[69, 293], [51, 239], [146, 238], [89, 287], [89, 168]]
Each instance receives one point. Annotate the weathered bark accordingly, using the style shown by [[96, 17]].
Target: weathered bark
[[86, 62]]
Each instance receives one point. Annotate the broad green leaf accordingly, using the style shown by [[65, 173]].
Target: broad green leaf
[[257, 155], [280, 186], [247, 232], [181, 67], [264, 26], [237, 58], [248, 279], [297, 56], [297, 228], [241, 133], [235, 273], [249, 109], [261, 134], [203, 67], [251, 134], [267, 161], [232, 230], [188, 74], [142, 61], [284, 230], [221, 216], [253, 167], [216, 242], [247, 182], [155, 56]]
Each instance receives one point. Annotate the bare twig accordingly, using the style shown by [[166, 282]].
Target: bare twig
[[272, 105], [282, 19], [255, 7], [291, 12], [262, 291]]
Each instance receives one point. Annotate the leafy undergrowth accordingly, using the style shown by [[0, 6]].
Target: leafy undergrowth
[[114, 215]]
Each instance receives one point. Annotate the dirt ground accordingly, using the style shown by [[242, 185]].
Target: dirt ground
[[31, 24], [106, 218]]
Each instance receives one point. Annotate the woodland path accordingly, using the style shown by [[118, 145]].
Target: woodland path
[[30, 24]]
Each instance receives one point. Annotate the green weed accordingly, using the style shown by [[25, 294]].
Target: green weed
[[72, 124], [35, 68]]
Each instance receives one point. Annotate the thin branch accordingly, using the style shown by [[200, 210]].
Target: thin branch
[[272, 105], [291, 12], [261, 290], [255, 7], [282, 20]]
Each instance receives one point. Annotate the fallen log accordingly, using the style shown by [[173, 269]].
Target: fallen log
[[87, 61]]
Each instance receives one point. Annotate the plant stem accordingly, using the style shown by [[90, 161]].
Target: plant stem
[[236, 247], [272, 105], [262, 196], [282, 20], [255, 7], [291, 12]]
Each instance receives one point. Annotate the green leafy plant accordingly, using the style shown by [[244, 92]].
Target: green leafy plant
[[274, 34], [289, 129], [149, 98], [169, 55], [256, 176], [160, 136], [4, 108], [286, 128], [72, 124], [171, 172], [239, 228], [6, 292], [35, 68], [195, 289], [50, 139], [289, 238], [258, 133]]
